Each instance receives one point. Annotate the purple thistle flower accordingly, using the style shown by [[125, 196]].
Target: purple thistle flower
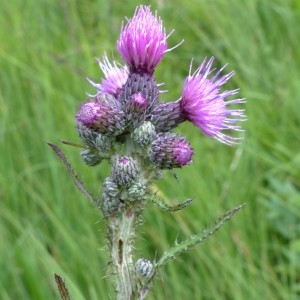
[[114, 77], [101, 116], [143, 41], [204, 105], [170, 150]]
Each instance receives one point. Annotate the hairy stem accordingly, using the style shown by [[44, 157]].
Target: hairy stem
[[122, 231]]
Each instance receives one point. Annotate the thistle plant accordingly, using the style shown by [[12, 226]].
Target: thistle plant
[[126, 124]]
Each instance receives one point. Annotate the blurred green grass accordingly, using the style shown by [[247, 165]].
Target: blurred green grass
[[47, 49]]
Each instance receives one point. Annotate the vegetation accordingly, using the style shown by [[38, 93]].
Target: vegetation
[[47, 226]]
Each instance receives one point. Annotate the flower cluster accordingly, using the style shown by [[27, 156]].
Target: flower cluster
[[127, 123]]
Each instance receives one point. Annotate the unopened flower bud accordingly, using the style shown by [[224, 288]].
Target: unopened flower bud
[[169, 151], [87, 135], [90, 157], [143, 84], [143, 268], [136, 110], [125, 170], [101, 116], [103, 143], [144, 134], [111, 205], [110, 187], [136, 191]]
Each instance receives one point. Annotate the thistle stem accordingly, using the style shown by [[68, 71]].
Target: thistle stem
[[122, 231]]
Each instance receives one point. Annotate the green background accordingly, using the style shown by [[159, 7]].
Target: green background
[[47, 49]]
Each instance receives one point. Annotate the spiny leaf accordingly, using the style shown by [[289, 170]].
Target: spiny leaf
[[159, 202], [73, 175], [196, 239]]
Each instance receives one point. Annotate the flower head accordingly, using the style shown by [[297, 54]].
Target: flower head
[[114, 77], [204, 105], [143, 41], [101, 116], [125, 170], [170, 150]]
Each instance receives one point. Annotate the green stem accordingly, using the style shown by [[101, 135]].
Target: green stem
[[122, 231]]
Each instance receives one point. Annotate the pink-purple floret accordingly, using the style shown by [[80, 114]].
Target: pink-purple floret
[[204, 105], [143, 41]]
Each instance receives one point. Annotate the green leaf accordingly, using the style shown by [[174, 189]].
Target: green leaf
[[196, 239], [159, 202]]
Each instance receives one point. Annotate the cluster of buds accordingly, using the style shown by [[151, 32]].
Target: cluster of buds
[[127, 123]]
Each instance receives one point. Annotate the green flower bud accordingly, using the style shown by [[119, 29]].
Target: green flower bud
[[87, 135], [90, 157], [125, 170], [143, 268], [110, 187], [111, 205], [136, 191], [103, 143], [144, 134]]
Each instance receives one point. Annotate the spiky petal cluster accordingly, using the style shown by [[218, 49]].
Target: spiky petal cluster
[[143, 41], [204, 105], [114, 77]]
